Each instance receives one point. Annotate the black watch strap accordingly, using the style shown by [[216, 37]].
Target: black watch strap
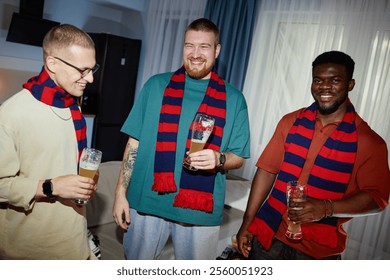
[[47, 187], [222, 159]]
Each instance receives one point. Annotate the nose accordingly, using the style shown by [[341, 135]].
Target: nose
[[196, 52], [89, 77], [325, 84]]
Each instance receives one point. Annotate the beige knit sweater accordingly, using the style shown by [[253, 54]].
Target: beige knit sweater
[[37, 142]]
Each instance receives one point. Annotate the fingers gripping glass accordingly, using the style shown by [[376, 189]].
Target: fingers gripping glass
[[296, 192], [89, 164], [202, 127], [84, 72]]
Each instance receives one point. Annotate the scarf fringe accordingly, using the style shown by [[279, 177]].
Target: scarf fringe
[[196, 200], [319, 233], [322, 234], [262, 231], [164, 183]]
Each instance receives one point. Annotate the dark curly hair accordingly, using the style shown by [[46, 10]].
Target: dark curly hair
[[336, 57]]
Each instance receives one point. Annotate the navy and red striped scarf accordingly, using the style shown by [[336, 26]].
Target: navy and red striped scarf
[[44, 89], [196, 188], [328, 178]]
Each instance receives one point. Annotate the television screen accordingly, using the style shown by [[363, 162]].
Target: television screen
[[28, 30]]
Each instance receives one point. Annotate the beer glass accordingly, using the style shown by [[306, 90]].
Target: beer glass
[[296, 192], [202, 127], [89, 163], [234, 242]]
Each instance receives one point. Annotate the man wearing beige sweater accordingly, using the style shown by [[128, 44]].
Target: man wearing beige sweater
[[42, 133]]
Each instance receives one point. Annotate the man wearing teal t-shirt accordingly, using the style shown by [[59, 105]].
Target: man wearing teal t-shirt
[[156, 198]]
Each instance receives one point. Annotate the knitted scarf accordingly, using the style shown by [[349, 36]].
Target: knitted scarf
[[196, 188], [328, 178], [45, 90]]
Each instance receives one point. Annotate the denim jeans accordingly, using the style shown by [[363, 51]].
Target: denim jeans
[[147, 236]]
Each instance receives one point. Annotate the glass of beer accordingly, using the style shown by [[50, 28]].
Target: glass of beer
[[296, 192], [89, 163], [202, 127]]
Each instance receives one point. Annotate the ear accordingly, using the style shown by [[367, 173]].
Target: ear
[[351, 84], [50, 63], [217, 50]]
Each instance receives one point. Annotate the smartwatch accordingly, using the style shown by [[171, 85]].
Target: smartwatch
[[222, 159], [47, 187]]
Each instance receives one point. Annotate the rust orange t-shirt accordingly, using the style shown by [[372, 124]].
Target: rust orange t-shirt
[[370, 173]]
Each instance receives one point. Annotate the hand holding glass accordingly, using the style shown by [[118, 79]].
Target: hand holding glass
[[89, 163], [202, 127], [296, 192]]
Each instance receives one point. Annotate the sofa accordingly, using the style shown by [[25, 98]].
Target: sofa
[[102, 225]]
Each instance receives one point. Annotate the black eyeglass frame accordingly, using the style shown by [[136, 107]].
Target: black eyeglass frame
[[84, 72]]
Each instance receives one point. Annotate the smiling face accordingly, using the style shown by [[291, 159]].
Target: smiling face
[[330, 86], [199, 53], [67, 77]]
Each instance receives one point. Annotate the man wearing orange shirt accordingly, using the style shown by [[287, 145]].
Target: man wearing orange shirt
[[330, 148]]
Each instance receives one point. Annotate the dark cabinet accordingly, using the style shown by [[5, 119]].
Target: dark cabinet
[[111, 95]]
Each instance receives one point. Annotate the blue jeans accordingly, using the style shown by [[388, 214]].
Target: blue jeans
[[280, 251], [147, 236]]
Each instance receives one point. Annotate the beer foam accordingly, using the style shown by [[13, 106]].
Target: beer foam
[[204, 135], [200, 141], [207, 124], [89, 165]]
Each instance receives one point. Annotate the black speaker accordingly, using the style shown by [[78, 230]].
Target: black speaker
[[26, 29], [110, 97], [32, 8]]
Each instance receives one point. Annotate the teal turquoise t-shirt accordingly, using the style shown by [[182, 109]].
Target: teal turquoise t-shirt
[[142, 124]]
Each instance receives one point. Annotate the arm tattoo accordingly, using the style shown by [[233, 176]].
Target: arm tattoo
[[128, 165]]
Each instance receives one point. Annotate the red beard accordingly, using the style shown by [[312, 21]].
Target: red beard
[[196, 73]]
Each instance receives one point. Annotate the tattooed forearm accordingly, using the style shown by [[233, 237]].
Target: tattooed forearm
[[129, 162]]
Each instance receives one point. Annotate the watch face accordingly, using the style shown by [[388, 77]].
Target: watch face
[[223, 158], [47, 188]]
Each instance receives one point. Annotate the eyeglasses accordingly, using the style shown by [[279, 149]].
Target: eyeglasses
[[83, 72]]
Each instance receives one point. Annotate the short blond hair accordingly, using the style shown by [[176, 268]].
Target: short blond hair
[[205, 25], [64, 36]]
